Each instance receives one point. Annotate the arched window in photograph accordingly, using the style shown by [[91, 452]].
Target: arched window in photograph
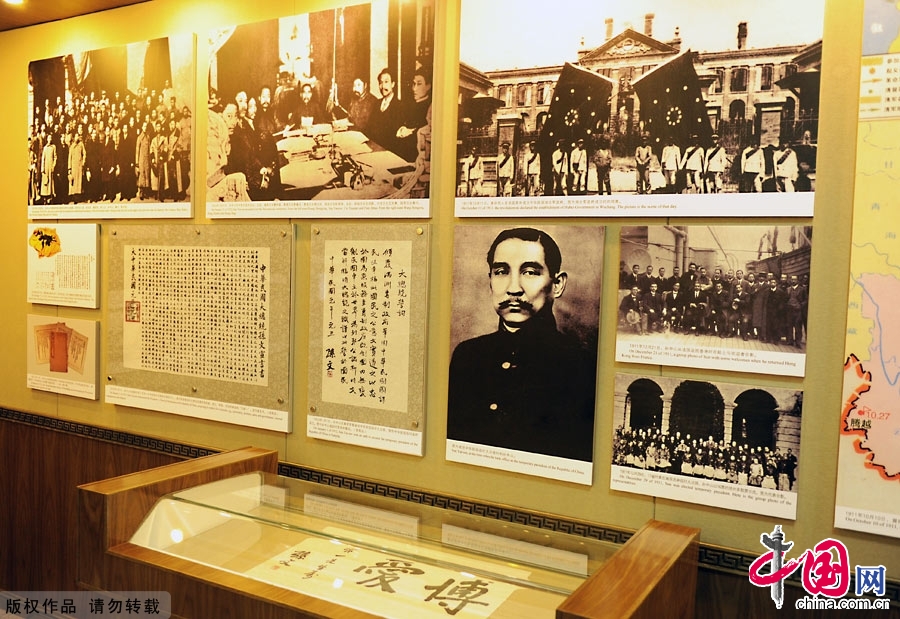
[[504, 93], [754, 417], [719, 84], [645, 403], [698, 409]]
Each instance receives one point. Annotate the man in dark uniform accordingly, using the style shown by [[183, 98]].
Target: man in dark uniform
[[695, 307], [630, 308], [652, 310], [630, 280], [363, 105], [675, 305], [387, 118], [647, 278], [526, 386]]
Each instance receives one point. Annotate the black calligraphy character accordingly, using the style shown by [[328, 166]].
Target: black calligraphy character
[[387, 572], [463, 593]]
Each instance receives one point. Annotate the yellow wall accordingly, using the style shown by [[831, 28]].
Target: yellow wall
[[830, 260]]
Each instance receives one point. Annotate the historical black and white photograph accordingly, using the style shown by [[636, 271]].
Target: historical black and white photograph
[[330, 115], [110, 131], [718, 444], [645, 107], [524, 335], [718, 297]]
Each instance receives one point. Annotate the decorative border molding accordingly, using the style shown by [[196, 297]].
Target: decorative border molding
[[106, 434], [711, 558], [497, 512]]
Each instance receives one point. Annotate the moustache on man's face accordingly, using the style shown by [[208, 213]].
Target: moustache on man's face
[[515, 303]]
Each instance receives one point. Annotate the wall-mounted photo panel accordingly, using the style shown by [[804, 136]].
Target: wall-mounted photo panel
[[199, 321], [867, 497], [368, 311], [329, 116], [62, 355], [649, 107], [718, 297], [110, 131], [717, 444], [524, 336], [63, 264]]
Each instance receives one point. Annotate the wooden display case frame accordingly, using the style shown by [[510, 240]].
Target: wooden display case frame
[[653, 574]]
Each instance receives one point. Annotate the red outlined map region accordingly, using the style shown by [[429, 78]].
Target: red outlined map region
[[871, 391], [877, 430]]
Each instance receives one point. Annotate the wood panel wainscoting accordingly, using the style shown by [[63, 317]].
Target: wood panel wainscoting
[[42, 463]]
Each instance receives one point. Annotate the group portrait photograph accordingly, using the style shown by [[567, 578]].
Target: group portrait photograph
[[715, 296], [112, 126]]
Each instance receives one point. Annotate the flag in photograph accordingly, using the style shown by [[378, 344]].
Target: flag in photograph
[[672, 104], [579, 108]]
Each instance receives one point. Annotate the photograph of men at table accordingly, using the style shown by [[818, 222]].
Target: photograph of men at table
[[326, 106]]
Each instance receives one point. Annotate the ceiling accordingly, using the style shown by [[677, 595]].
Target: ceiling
[[33, 12]]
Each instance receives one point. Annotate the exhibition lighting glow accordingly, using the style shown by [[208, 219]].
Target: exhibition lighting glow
[[14, 1]]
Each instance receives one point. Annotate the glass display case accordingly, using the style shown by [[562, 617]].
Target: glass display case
[[318, 550], [365, 552]]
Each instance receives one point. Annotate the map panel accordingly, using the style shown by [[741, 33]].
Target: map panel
[[868, 485]]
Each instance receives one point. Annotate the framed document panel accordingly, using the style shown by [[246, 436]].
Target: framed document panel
[[200, 321], [368, 309]]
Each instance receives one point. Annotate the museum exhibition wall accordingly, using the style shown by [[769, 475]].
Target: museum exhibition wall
[[343, 303]]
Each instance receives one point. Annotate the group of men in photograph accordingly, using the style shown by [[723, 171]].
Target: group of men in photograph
[[579, 167], [777, 168], [110, 147], [243, 162], [393, 120], [244, 132], [695, 168], [737, 463], [753, 306]]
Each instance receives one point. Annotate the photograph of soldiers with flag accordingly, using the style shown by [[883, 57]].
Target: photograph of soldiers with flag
[[635, 108]]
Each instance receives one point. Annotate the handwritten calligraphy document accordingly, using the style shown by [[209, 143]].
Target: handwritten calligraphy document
[[396, 586], [368, 300]]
